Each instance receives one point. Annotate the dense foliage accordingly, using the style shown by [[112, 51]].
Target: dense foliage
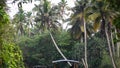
[[10, 54], [39, 47], [93, 38]]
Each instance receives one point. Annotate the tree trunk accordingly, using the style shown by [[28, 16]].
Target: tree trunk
[[110, 51], [118, 48], [58, 49], [113, 46], [117, 43], [84, 62], [85, 41], [102, 30]]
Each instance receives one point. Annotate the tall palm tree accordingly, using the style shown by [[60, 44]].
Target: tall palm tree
[[79, 20], [19, 21], [117, 32], [29, 20], [104, 16], [46, 17]]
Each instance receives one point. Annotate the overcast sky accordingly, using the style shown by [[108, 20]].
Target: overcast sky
[[28, 7]]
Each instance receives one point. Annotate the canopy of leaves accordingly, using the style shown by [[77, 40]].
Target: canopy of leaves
[[38, 48], [11, 56]]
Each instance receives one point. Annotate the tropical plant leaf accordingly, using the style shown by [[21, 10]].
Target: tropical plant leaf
[[96, 24]]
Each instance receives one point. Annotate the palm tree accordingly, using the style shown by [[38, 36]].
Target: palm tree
[[46, 17], [79, 20], [19, 21], [29, 20], [104, 17], [117, 32]]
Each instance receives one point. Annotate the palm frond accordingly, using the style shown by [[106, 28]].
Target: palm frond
[[96, 24], [94, 15]]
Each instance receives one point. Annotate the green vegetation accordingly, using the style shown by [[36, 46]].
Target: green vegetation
[[10, 54], [37, 37]]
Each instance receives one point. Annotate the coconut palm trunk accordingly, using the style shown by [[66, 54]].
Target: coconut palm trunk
[[117, 43], [58, 49], [118, 49], [48, 19], [85, 41], [113, 46], [110, 51]]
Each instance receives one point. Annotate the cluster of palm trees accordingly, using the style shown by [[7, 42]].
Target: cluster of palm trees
[[46, 18], [89, 17], [101, 16]]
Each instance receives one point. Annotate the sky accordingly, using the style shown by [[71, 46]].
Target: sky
[[13, 8]]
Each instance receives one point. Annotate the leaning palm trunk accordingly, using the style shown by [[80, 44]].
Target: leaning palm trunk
[[118, 48], [58, 48], [110, 51], [85, 40], [113, 46], [117, 43]]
